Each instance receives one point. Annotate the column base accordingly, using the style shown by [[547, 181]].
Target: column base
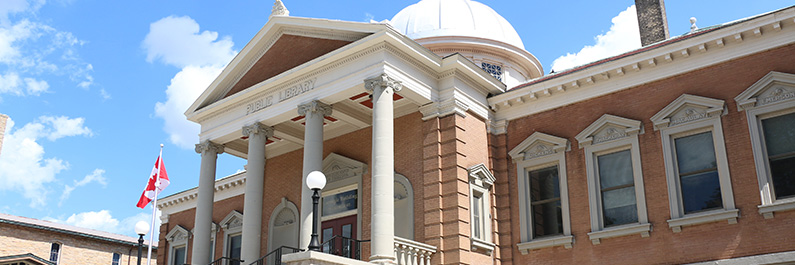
[[382, 260]]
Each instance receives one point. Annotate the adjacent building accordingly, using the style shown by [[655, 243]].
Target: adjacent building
[[35, 242], [3, 120], [443, 142]]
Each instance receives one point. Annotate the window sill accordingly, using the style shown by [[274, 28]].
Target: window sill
[[479, 245], [706, 217], [565, 241], [624, 230], [779, 206]]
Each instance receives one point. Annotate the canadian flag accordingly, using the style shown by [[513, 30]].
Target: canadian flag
[[158, 181]]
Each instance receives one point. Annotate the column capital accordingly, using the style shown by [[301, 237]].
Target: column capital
[[257, 128], [208, 146], [382, 80], [314, 106]]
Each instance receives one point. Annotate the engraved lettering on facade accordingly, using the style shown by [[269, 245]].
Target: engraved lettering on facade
[[778, 95], [611, 134], [690, 115], [285, 94], [540, 150]]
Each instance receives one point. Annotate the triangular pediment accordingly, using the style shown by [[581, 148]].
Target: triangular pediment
[[232, 220], [283, 44], [687, 108], [178, 234], [537, 145], [608, 128], [775, 87], [337, 167]]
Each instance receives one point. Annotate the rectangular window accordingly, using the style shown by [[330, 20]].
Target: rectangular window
[[179, 256], [779, 135], [617, 186], [234, 249], [545, 202], [55, 251], [477, 222], [116, 259], [698, 173]]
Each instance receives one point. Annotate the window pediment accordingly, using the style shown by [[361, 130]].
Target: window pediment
[[337, 167], [481, 176], [232, 220], [608, 128], [773, 88], [177, 234], [686, 109], [537, 145]]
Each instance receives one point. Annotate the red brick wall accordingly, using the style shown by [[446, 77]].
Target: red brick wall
[[752, 234]]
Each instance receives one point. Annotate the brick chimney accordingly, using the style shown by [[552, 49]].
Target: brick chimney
[[3, 119], [652, 23]]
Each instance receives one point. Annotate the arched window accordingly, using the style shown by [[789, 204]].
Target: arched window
[[404, 208], [283, 229], [55, 252]]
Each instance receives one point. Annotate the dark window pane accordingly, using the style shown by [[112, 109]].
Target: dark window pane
[[701, 192], [326, 236], [544, 184], [547, 219], [545, 202], [779, 134], [234, 248], [695, 153], [619, 206], [179, 256], [783, 171], [615, 169], [116, 258], [54, 252], [476, 213]]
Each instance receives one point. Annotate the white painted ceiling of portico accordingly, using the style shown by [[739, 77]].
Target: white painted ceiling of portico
[[337, 78]]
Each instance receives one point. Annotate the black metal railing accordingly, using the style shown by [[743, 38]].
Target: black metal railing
[[226, 261], [343, 246], [275, 257]]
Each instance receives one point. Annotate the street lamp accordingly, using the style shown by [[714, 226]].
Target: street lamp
[[141, 227], [315, 180]]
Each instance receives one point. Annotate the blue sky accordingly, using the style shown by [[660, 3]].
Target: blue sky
[[93, 87]]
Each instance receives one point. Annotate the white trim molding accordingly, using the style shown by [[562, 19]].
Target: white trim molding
[[772, 258], [541, 151], [480, 182], [772, 96], [233, 226], [686, 116], [612, 135], [177, 238], [280, 218]]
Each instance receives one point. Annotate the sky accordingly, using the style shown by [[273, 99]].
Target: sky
[[93, 87]]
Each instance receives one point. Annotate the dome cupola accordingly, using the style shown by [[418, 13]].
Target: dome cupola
[[473, 30]]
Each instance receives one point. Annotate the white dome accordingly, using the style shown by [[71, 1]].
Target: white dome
[[435, 18]]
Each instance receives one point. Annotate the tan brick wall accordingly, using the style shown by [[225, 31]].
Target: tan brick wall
[[75, 250], [752, 235]]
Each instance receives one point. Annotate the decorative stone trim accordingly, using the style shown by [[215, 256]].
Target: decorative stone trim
[[382, 80], [208, 146], [565, 241], [257, 128], [624, 230], [706, 217], [481, 176], [767, 210], [687, 109], [315, 106], [482, 246]]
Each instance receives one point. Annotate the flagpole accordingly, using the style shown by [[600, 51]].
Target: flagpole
[[154, 207]]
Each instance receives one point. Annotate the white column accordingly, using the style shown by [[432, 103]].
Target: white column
[[204, 202], [257, 134], [382, 223], [313, 160]]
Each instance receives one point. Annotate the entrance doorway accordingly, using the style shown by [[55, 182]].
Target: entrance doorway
[[339, 236]]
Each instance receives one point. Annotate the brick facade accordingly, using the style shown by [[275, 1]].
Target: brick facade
[[3, 120], [76, 248]]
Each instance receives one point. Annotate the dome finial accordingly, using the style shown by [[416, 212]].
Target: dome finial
[[279, 9], [693, 26]]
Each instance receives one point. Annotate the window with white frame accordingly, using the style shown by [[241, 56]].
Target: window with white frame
[[55, 252], [480, 182], [696, 168], [178, 244], [615, 180], [543, 192], [116, 259], [233, 230], [404, 207], [770, 108]]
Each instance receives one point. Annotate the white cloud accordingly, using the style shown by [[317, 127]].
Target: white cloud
[[623, 36], [177, 41], [95, 176], [36, 87], [185, 87], [10, 83], [103, 220], [23, 167]]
